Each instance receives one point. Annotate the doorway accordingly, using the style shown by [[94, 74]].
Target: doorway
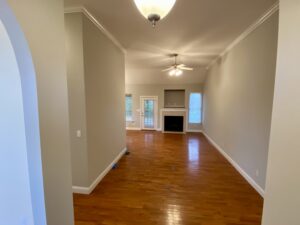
[[149, 112]]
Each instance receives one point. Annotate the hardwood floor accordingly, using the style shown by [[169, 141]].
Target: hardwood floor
[[170, 179]]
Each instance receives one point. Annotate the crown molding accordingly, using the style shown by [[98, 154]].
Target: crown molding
[[96, 22], [247, 32]]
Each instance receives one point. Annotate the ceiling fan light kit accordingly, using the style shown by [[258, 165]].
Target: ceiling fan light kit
[[154, 10], [177, 69], [176, 73]]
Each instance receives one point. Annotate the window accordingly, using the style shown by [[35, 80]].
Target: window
[[128, 103], [195, 108]]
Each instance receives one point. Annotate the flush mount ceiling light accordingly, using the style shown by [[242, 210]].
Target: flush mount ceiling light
[[154, 10]]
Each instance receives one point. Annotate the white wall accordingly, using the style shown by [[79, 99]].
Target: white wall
[[14, 171], [238, 96], [282, 200], [42, 22], [138, 90]]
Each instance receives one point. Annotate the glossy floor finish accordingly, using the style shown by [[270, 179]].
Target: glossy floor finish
[[170, 179]]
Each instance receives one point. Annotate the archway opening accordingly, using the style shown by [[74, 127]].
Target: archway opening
[[21, 190]]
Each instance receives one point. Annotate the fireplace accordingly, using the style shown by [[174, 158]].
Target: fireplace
[[174, 124], [173, 120]]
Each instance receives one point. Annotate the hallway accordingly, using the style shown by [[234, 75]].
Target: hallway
[[170, 179]]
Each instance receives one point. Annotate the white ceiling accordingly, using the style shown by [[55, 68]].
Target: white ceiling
[[199, 30]]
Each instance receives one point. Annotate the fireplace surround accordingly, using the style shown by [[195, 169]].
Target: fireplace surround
[[173, 120]]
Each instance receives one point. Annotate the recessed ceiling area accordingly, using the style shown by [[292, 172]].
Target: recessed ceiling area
[[198, 30]]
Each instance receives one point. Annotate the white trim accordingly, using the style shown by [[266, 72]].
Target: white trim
[[88, 190], [258, 188], [162, 126], [133, 128], [81, 190], [173, 110], [155, 98], [97, 24], [246, 33], [139, 129]]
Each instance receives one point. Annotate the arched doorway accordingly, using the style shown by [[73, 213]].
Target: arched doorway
[[21, 190]]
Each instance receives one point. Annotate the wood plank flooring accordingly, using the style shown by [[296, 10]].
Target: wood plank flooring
[[170, 179]]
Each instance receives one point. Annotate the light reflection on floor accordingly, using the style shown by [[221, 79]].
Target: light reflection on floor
[[173, 215], [148, 139], [193, 149]]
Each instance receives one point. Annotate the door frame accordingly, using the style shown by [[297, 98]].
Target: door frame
[[155, 98]]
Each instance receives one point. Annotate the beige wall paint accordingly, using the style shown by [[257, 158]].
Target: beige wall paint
[[43, 24], [238, 97], [77, 105], [105, 101], [96, 79], [138, 90], [282, 199]]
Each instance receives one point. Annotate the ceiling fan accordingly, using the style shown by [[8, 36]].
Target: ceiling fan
[[177, 69]]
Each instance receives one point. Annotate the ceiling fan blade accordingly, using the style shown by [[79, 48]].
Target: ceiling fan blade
[[181, 65], [186, 68], [170, 68]]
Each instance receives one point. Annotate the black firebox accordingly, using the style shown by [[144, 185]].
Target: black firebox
[[174, 123]]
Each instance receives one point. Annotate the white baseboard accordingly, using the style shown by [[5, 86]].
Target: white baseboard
[[81, 190], [258, 188], [88, 190], [133, 128], [139, 129], [194, 131]]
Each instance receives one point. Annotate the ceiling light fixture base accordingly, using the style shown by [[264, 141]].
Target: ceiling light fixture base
[[154, 18]]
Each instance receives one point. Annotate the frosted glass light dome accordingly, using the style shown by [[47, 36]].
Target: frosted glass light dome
[[155, 10], [175, 72]]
